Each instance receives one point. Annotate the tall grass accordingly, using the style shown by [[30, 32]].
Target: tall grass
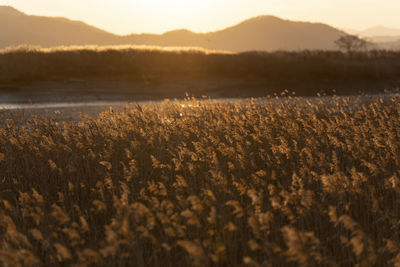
[[192, 183]]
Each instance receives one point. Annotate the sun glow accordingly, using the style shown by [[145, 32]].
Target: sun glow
[[174, 12], [177, 7]]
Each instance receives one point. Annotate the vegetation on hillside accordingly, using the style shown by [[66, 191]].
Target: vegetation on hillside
[[291, 182]]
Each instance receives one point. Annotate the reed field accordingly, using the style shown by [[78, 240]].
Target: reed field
[[256, 182]]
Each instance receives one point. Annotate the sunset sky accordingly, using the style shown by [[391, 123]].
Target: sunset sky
[[158, 16]]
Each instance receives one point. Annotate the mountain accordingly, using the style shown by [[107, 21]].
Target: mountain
[[380, 31], [17, 28], [272, 33], [385, 38], [382, 37], [266, 33], [376, 32], [261, 33]]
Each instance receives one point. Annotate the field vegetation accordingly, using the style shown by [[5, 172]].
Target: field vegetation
[[292, 182], [306, 72]]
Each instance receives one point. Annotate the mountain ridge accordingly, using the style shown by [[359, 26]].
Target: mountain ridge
[[265, 33], [10, 10], [380, 31]]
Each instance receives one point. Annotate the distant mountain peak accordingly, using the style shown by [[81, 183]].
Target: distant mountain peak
[[262, 18], [178, 32], [380, 30], [9, 10]]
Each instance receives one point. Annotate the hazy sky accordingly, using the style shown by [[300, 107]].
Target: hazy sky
[[157, 16]]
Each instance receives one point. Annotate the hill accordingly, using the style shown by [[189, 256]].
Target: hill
[[272, 33], [266, 33], [383, 37], [17, 28], [375, 32], [380, 31]]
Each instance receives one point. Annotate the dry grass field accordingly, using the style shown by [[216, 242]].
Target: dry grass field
[[197, 183]]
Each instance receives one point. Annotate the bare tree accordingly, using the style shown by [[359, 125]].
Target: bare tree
[[352, 43]]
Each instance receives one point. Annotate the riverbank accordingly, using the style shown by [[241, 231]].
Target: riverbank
[[114, 74]]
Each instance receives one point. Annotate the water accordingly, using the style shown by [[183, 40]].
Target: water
[[50, 105], [13, 106]]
